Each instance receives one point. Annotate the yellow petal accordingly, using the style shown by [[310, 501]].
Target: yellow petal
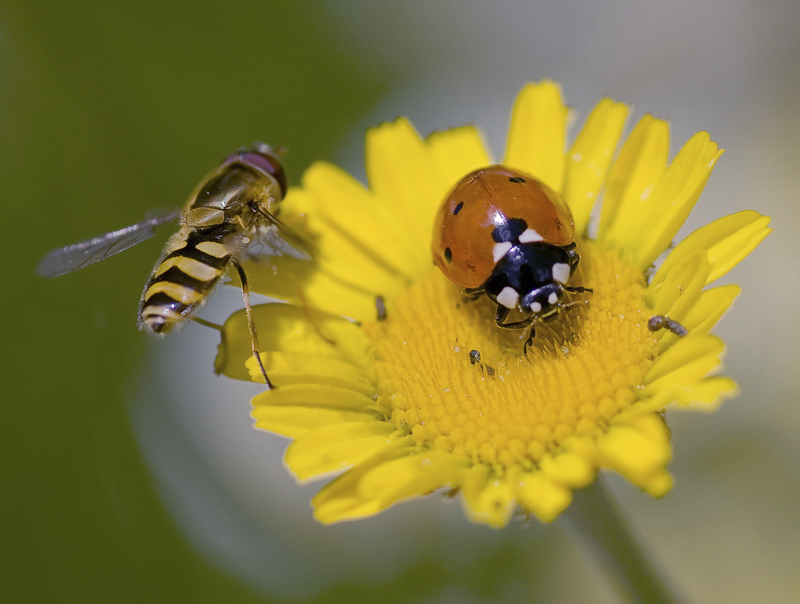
[[689, 359], [286, 369], [632, 177], [537, 133], [319, 339], [294, 421], [706, 395], [710, 307], [455, 153], [494, 505], [348, 259], [411, 475], [346, 507], [541, 496], [400, 172], [487, 498], [311, 395], [342, 499], [673, 199], [336, 447], [340, 205], [568, 468], [590, 157], [726, 241], [682, 287], [679, 294], [639, 449], [657, 484]]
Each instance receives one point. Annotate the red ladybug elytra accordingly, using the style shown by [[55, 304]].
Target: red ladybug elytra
[[506, 234]]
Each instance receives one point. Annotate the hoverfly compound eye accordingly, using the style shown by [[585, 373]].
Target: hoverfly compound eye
[[263, 159], [270, 165]]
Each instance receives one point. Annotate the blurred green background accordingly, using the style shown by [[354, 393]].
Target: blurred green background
[[119, 474]]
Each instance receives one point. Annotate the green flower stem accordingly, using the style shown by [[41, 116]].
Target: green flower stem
[[595, 517]]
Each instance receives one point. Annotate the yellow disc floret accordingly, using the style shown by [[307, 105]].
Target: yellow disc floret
[[508, 408]]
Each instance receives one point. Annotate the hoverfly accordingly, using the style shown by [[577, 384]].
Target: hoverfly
[[231, 209]]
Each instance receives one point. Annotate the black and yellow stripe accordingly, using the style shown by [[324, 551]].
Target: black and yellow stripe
[[185, 276]]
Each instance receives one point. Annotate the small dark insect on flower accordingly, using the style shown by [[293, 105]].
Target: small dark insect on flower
[[380, 308], [664, 322]]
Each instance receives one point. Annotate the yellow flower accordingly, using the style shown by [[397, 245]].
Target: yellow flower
[[401, 406]]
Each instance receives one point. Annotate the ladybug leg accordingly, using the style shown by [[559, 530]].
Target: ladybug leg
[[529, 341], [575, 289], [574, 258], [502, 315], [473, 293], [567, 305]]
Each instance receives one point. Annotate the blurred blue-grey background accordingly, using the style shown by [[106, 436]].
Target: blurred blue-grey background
[[129, 472]]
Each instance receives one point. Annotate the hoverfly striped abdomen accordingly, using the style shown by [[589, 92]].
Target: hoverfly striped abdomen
[[187, 274]]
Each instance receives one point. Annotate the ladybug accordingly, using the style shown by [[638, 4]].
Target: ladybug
[[506, 234]]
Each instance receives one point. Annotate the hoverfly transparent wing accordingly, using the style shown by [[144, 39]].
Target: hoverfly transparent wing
[[276, 239], [73, 257]]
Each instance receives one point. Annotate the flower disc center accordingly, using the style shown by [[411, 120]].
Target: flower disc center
[[452, 379]]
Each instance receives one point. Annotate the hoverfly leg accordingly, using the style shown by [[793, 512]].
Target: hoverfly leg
[[251, 324], [208, 324]]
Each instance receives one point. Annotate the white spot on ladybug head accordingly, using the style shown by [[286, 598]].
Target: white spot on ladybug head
[[530, 236], [552, 298], [561, 272], [500, 250], [536, 307], [508, 297]]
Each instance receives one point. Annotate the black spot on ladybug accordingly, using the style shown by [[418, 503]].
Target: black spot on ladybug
[[510, 231], [516, 179], [458, 208], [448, 254]]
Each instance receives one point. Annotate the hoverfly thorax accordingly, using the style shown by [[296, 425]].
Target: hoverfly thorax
[[246, 187]]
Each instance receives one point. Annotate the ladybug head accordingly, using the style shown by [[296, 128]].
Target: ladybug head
[[531, 277], [543, 301]]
